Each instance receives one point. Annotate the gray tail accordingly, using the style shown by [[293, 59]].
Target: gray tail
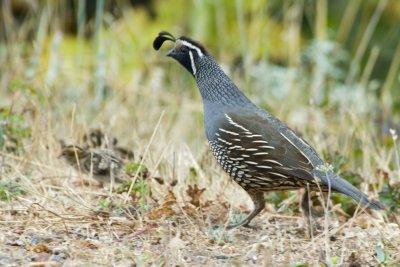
[[341, 185]]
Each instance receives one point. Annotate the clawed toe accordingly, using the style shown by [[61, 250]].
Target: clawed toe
[[236, 225], [232, 226]]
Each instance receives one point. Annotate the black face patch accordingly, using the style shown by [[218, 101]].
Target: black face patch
[[161, 38]]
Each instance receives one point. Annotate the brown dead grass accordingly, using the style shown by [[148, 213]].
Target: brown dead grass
[[59, 221]]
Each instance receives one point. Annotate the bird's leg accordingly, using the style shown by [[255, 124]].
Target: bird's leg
[[307, 210], [259, 204]]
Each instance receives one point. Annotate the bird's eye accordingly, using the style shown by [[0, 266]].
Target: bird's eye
[[184, 49]]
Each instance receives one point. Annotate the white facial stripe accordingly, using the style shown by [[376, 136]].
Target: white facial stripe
[[198, 50], [192, 62]]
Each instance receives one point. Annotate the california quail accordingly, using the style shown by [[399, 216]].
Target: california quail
[[255, 148]]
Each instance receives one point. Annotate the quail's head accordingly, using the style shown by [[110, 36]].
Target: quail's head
[[186, 51]]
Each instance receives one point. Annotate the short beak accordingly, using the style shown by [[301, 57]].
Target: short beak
[[171, 53]]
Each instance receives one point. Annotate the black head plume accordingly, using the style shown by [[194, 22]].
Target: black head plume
[[161, 38]]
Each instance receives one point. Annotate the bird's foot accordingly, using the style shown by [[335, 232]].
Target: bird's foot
[[243, 223], [236, 225]]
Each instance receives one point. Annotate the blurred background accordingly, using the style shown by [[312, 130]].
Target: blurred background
[[329, 68]]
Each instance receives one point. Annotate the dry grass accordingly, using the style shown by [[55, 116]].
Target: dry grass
[[60, 219], [62, 88]]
